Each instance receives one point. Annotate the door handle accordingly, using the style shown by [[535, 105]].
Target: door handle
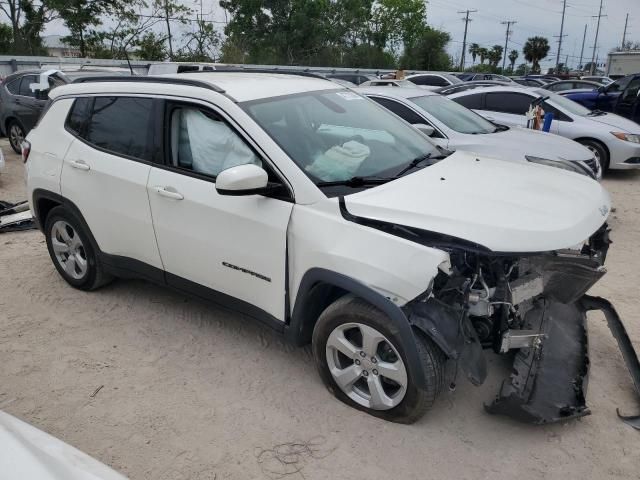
[[80, 165], [168, 192]]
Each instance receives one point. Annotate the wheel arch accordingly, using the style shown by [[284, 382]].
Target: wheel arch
[[320, 287], [599, 142]]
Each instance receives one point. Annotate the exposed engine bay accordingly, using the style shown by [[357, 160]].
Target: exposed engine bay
[[533, 305]]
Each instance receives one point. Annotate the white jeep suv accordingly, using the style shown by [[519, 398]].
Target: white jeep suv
[[314, 210]]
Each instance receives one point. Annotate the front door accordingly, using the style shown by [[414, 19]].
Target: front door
[[628, 101], [233, 246]]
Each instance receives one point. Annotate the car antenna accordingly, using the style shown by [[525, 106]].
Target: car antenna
[[126, 55]]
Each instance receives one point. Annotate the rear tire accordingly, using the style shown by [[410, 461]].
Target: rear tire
[[72, 252], [362, 362], [599, 151], [16, 135]]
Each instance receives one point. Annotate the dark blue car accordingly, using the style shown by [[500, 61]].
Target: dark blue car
[[619, 97]]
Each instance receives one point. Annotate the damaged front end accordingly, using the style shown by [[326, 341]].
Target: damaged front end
[[533, 305]]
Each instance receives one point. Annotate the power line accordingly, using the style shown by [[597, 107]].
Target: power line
[[508, 23], [464, 40], [564, 9]]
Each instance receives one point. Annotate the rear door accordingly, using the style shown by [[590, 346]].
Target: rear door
[[28, 107], [105, 173], [508, 108], [223, 247]]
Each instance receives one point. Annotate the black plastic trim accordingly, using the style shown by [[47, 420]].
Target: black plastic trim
[[301, 323]]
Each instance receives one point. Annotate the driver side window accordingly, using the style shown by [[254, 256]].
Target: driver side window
[[203, 143]]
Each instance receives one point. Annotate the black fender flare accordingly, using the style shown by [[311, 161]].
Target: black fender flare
[[297, 331]]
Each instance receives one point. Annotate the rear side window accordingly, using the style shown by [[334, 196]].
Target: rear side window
[[507, 102], [14, 86], [78, 115], [121, 125], [403, 112], [472, 102]]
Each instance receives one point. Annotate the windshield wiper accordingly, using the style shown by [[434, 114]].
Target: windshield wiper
[[414, 164], [356, 182]]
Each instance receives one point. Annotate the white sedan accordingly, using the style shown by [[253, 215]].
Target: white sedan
[[454, 127], [614, 140]]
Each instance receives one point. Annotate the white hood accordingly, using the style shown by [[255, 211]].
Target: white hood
[[29, 453], [620, 123], [504, 206], [517, 140]]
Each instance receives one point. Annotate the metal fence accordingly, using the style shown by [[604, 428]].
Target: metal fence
[[10, 64]]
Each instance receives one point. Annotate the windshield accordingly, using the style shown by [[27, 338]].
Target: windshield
[[336, 135], [454, 115], [564, 103]]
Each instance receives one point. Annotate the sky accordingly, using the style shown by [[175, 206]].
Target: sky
[[538, 17], [533, 17]]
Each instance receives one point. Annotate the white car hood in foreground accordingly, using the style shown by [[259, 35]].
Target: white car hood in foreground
[[29, 453], [517, 140], [504, 206], [620, 123]]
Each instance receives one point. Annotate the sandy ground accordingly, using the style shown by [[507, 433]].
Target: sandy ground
[[191, 391]]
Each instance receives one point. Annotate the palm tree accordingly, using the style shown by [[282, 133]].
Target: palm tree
[[483, 53], [513, 56], [535, 49], [473, 51], [495, 55]]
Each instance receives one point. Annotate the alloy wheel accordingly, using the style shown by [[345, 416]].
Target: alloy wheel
[[16, 136], [366, 366], [69, 250]]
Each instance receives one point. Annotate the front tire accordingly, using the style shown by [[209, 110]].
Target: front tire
[[72, 252], [600, 152], [363, 363]]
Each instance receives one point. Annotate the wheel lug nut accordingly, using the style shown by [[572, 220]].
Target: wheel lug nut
[[365, 373], [362, 354], [375, 372], [357, 362], [374, 360]]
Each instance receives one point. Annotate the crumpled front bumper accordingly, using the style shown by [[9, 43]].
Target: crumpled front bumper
[[548, 383]]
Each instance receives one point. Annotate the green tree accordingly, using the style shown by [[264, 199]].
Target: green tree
[[535, 49], [474, 50], [513, 56], [495, 55], [6, 39], [202, 44], [429, 52], [152, 47], [483, 53], [27, 20]]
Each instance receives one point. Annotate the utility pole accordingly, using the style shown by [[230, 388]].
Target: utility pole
[[564, 9], [624, 35], [595, 43], [466, 21], [508, 23], [584, 37]]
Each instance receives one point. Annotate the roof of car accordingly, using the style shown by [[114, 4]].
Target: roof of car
[[241, 86], [398, 92], [499, 88], [246, 86]]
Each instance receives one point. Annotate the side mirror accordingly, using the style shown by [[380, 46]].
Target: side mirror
[[246, 179], [424, 128]]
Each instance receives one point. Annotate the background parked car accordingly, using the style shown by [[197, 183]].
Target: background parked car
[[455, 127], [619, 97], [598, 79], [614, 140], [435, 79], [471, 77], [355, 78], [388, 82], [21, 106], [461, 87], [529, 82], [571, 85]]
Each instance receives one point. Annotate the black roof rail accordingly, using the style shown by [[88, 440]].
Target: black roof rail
[[165, 80], [301, 73]]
